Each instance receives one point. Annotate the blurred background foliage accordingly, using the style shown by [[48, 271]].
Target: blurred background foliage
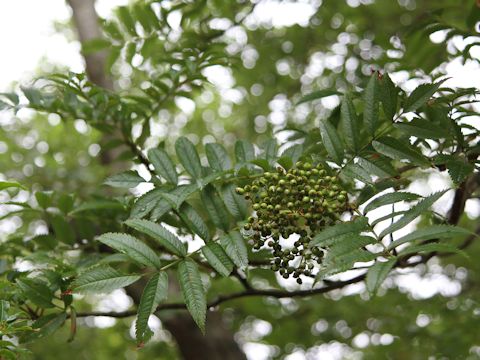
[[265, 68]]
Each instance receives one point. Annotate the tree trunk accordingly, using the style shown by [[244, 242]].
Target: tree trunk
[[88, 28], [218, 343]]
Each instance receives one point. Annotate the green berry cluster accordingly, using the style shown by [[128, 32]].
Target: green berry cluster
[[300, 201]]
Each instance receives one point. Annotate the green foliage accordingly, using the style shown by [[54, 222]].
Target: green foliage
[[429, 233], [217, 257], [371, 98], [157, 232], [413, 213], [188, 157], [131, 247], [399, 150], [390, 198], [328, 236], [163, 165], [420, 96], [217, 157], [332, 141], [102, 279], [126, 179], [155, 291], [234, 246], [360, 147], [377, 274], [350, 127], [193, 291]]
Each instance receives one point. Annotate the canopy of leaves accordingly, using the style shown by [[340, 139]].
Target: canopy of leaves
[[134, 188]]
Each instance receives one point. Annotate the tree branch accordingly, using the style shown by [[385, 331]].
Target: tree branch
[[279, 294]]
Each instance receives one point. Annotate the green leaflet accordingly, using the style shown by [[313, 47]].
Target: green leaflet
[[270, 149], [157, 232], [331, 141], [193, 291], [345, 262], [244, 151], [123, 13], [390, 198], [436, 247], [194, 221], [380, 167], [102, 279], [318, 95], [329, 234], [218, 157], [146, 16], [44, 198], [344, 244], [388, 96], [290, 155], [46, 325], [4, 306], [215, 208], [386, 217], [127, 179], [217, 258], [423, 129], [234, 245], [163, 165], [236, 204], [98, 205], [161, 209], [370, 111], [188, 156], [9, 184], [377, 274], [413, 213], [355, 171], [154, 292], [36, 291], [431, 232], [63, 230], [458, 167], [459, 170], [420, 96], [66, 203], [131, 246], [398, 150], [146, 203], [349, 123], [177, 196]]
